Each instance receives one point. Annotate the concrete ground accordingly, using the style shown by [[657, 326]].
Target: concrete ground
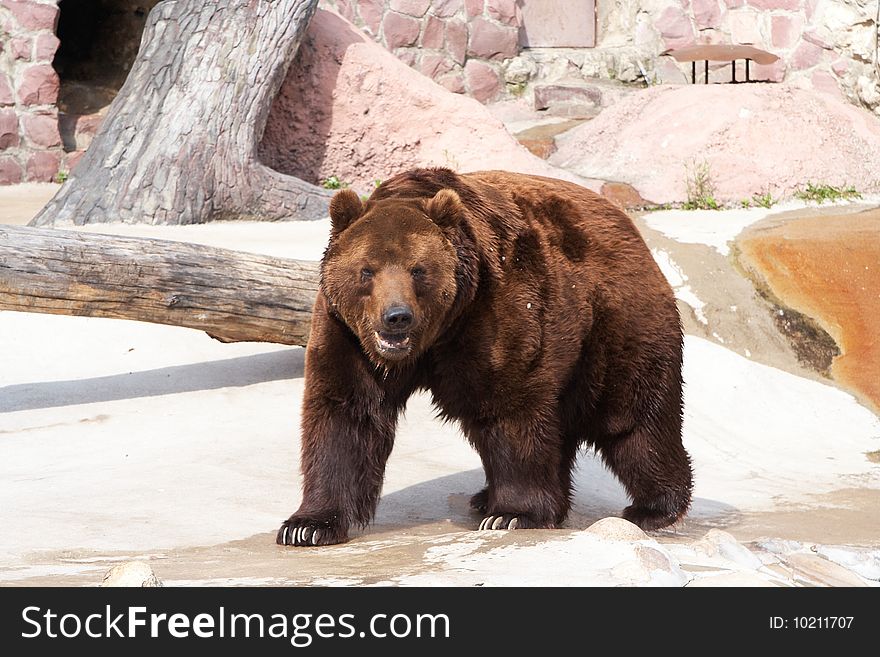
[[125, 441]]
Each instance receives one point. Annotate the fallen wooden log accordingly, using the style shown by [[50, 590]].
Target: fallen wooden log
[[233, 296]]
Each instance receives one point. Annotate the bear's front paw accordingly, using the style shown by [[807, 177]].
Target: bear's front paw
[[308, 531], [503, 521]]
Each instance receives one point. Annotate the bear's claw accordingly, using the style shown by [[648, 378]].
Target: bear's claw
[[301, 532], [503, 521]]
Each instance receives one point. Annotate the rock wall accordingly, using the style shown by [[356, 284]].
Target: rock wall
[[30, 144], [828, 45], [470, 46], [460, 44]]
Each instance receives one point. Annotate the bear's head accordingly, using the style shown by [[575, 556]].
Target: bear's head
[[389, 271]]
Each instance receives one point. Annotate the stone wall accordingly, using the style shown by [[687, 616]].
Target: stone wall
[[829, 45], [30, 144], [460, 44], [470, 46]]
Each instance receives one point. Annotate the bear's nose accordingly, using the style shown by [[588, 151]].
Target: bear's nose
[[397, 318]]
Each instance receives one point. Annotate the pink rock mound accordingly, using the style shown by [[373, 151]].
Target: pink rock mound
[[754, 138], [350, 109]]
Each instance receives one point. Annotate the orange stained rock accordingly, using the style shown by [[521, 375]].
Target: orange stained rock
[[828, 267]]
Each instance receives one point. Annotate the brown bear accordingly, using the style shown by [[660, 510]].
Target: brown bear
[[531, 310]]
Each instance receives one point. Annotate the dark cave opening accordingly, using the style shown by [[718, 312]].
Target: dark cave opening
[[99, 43]]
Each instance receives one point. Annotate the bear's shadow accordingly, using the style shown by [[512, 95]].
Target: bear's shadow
[[598, 494]]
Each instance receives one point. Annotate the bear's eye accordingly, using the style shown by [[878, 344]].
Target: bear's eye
[[418, 272], [366, 275]]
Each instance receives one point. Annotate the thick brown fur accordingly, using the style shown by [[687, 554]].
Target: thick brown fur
[[539, 321]]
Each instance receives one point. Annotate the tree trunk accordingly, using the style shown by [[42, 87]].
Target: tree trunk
[[233, 296], [179, 143]]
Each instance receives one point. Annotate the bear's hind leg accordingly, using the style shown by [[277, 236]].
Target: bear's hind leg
[[528, 472], [656, 472]]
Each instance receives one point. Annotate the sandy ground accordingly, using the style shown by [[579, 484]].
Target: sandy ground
[[19, 203], [125, 440]]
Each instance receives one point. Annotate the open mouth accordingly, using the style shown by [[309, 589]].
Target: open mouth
[[392, 344]]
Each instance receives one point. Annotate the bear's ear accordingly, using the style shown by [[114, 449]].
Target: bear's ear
[[345, 208], [445, 209]]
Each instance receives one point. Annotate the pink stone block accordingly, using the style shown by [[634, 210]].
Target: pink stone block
[[675, 28], [41, 130], [549, 95], [457, 40], [818, 37], [87, 126], [774, 72], [6, 97], [744, 27], [474, 7], [415, 8], [435, 65], [400, 30], [490, 41], [434, 33], [554, 24], [446, 8], [9, 130], [769, 5], [47, 45], [370, 12], [826, 83], [32, 15], [42, 166], [72, 159], [21, 48], [346, 10], [733, 4], [409, 56], [39, 85], [482, 80], [785, 30], [10, 170], [452, 82], [707, 13], [809, 8], [806, 55], [503, 11], [840, 67]]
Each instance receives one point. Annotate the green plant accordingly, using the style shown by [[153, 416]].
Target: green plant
[[366, 197], [700, 187], [745, 203], [764, 200], [333, 182], [819, 193], [61, 176]]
